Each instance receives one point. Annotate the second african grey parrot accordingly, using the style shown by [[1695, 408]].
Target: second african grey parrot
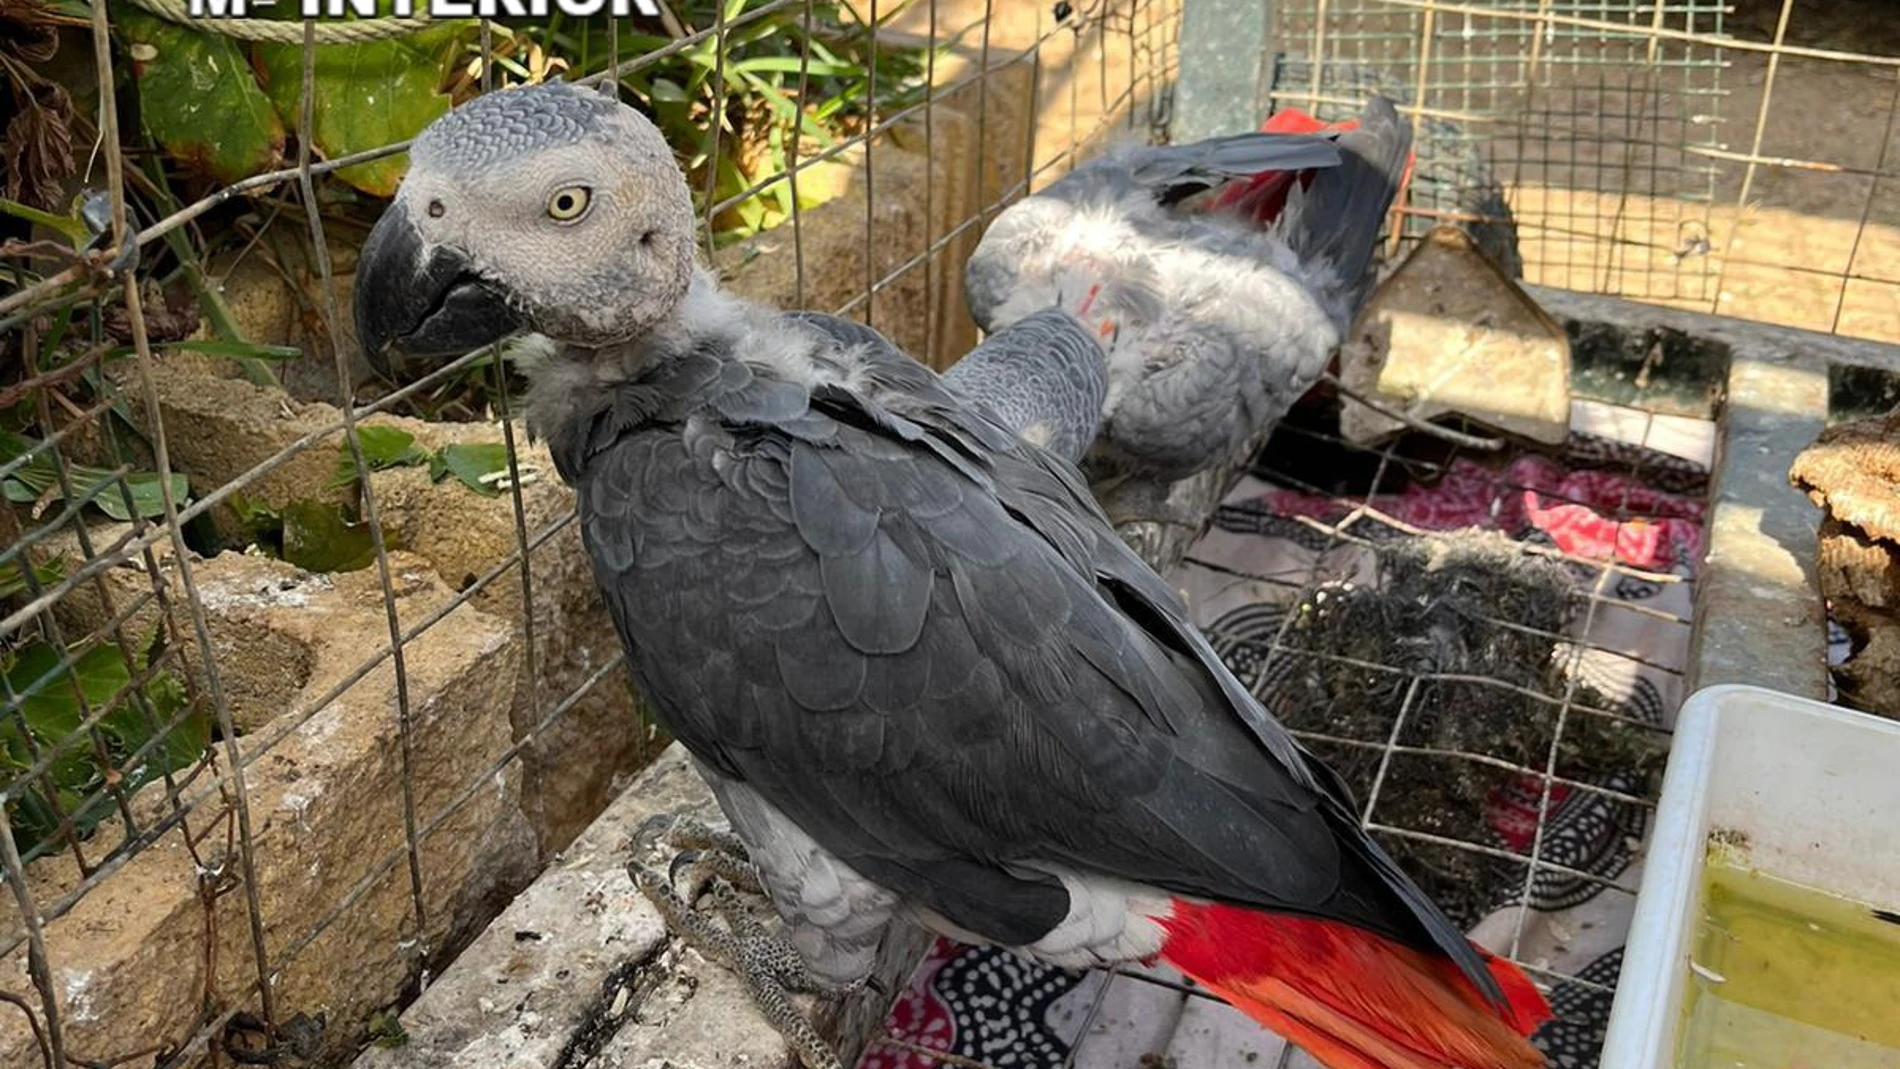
[[919, 671], [1222, 275]]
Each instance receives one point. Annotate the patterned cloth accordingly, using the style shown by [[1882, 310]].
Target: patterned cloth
[[988, 1008]]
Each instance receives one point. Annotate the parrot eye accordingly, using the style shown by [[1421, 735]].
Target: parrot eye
[[569, 204]]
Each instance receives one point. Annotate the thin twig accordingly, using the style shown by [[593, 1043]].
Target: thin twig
[[1469, 441]]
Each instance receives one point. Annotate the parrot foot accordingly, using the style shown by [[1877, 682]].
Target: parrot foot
[[704, 853], [771, 969]]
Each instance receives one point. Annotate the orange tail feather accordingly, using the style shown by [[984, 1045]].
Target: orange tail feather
[[1352, 999]]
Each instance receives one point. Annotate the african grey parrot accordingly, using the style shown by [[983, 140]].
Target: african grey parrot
[[1221, 274], [921, 674]]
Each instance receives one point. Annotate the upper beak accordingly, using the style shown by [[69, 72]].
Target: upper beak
[[414, 299]]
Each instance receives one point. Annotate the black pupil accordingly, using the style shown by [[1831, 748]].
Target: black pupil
[[566, 202]]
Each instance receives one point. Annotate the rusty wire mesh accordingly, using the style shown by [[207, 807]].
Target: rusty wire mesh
[[250, 806], [1736, 158]]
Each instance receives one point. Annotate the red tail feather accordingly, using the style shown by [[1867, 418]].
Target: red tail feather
[[1352, 999], [1262, 197]]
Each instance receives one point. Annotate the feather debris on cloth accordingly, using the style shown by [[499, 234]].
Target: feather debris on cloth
[[1269, 551]]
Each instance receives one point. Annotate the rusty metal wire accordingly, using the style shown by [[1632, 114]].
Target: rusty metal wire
[[1663, 150], [231, 862]]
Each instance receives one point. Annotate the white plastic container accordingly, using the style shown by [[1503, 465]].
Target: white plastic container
[[1814, 788]]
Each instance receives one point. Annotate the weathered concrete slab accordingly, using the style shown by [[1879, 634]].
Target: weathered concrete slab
[[1447, 331], [578, 973], [131, 958]]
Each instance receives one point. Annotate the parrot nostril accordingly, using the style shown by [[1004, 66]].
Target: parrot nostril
[[646, 238], [436, 209]]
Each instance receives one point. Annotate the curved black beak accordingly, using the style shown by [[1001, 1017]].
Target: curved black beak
[[418, 301]]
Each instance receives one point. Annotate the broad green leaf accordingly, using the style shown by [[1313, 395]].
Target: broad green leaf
[[44, 691], [199, 99], [470, 463], [383, 448], [39, 479], [666, 91], [318, 539], [368, 94], [181, 746]]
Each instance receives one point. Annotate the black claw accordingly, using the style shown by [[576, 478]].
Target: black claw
[[680, 861]]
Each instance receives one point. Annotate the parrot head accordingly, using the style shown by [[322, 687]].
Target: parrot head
[[551, 209]]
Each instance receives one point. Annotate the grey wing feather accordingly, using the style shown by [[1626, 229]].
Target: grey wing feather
[[1178, 170], [1336, 220], [1044, 377]]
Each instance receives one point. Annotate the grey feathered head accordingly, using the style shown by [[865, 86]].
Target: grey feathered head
[[550, 208]]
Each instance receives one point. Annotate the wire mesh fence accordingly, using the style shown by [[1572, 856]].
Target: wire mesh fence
[[303, 679], [1694, 153]]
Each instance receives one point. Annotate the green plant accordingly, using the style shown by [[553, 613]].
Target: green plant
[[48, 698], [479, 466], [200, 108], [37, 483]]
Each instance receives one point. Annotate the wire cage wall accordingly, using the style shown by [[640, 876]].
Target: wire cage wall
[[1733, 158], [304, 678]]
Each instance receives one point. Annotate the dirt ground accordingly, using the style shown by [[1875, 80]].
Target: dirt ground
[[1593, 167], [1816, 242]]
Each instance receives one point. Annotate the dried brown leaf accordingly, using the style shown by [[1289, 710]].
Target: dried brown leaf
[[37, 150]]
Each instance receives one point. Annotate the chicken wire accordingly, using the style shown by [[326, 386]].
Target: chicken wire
[[171, 663], [1737, 158]]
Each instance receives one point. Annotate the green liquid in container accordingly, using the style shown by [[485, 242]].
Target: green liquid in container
[[1787, 977]]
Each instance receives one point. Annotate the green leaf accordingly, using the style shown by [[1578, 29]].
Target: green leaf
[[69, 228], [240, 350], [367, 94], [383, 448], [13, 577], [39, 479], [791, 65], [44, 692], [258, 523], [180, 747], [470, 463], [199, 99], [318, 539], [666, 91]]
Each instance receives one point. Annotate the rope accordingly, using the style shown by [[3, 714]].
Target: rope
[[288, 33]]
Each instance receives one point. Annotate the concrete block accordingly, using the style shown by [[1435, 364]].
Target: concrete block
[[577, 972], [572, 767], [139, 956], [1448, 332]]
